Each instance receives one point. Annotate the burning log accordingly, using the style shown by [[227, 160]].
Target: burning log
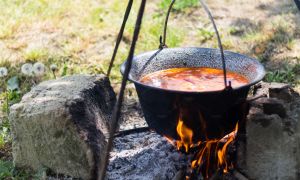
[[209, 156]]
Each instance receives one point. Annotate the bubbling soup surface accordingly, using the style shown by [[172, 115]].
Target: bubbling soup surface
[[192, 79]]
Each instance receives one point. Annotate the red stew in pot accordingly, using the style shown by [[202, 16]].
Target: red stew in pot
[[192, 79]]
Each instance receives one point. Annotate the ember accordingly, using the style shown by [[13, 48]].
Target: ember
[[210, 156]]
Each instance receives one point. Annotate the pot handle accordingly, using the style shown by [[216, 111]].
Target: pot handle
[[163, 44]]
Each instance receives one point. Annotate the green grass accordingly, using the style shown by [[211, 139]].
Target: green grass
[[4, 136], [180, 5], [205, 34], [266, 43], [34, 55], [281, 36], [284, 75], [7, 171], [83, 34], [235, 31], [255, 36]]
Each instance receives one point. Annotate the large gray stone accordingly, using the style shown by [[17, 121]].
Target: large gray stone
[[282, 91], [271, 151], [62, 125], [273, 106], [272, 146]]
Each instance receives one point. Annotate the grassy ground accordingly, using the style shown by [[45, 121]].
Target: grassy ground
[[78, 36]]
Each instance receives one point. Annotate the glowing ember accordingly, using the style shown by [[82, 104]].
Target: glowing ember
[[211, 155]]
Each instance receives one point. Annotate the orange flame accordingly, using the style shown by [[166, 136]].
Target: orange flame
[[222, 152], [185, 134], [210, 149]]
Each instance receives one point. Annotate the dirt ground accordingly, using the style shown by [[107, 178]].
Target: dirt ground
[[246, 26]]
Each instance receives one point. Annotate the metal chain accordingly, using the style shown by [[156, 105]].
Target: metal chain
[[219, 43], [117, 109], [162, 39]]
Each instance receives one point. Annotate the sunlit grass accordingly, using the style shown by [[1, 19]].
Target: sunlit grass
[[81, 23], [285, 75], [179, 5], [34, 55], [80, 34]]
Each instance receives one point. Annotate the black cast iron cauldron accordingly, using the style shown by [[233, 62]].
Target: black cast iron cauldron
[[212, 114]]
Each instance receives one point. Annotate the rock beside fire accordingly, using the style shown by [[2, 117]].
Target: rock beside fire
[[281, 91], [62, 125], [273, 106], [273, 134]]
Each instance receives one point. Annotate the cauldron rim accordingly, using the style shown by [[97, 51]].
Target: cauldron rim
[[259, 77]]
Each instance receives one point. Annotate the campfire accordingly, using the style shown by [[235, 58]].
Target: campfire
[[200, 121], [209, 156], [156, 157]]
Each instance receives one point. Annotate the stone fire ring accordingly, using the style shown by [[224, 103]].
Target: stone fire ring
[[62, 125]]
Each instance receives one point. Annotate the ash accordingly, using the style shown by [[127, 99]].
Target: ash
[[144, 155], [132, 115]]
